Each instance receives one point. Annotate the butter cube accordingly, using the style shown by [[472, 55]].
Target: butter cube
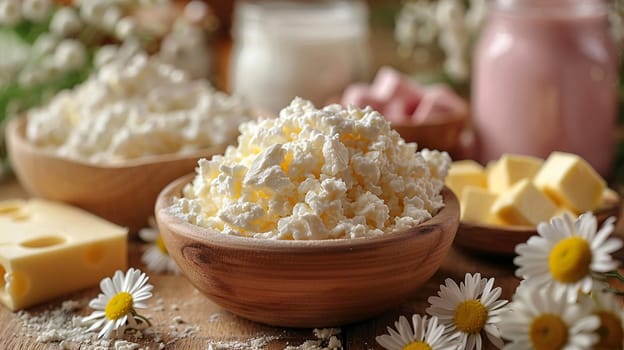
[[476, 204], [48, 249], [465, 173], [524, 204], [609, 199], [510, 169], [571, 182]]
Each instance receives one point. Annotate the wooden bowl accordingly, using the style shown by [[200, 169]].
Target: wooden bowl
[[321, 283], [443, 135], [502, 240], [122, 193]]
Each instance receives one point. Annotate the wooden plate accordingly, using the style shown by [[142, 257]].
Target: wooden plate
[[502, 240]]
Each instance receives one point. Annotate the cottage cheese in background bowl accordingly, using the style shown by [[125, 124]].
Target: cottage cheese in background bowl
[[112, 143], [316, 174], [136, 107]]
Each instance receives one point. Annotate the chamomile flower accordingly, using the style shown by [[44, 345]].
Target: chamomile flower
[[611, 314], [426, 334], [471, 308], [538, 320], [566, 253], [115, 307], [156, 257]]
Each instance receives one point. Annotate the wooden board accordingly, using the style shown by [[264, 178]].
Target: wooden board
[[175, 297]]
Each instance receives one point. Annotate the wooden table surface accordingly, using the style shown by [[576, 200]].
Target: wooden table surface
[[185, 319]]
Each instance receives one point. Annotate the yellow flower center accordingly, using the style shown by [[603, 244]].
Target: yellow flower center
[[161, 245], [610, 331], [118, 306], [548, 332], [569, 260], [417, 345], [470, 316]]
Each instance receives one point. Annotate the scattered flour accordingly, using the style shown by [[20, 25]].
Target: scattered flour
[[63, 325], [326, 340], [60, 325], [257, 343]]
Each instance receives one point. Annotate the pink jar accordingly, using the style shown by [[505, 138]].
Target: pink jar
[[545, 79]]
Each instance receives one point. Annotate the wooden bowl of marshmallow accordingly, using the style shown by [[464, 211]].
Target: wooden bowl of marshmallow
[[318, 218], [432, 116]]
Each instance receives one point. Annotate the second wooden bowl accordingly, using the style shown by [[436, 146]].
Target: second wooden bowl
[[443, 135], [502, 240], [307, 283], [122, 193]]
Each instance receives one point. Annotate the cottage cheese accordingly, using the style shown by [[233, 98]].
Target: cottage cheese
[[136, 107], [316, 174]]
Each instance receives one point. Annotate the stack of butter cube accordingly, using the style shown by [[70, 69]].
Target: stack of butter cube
[[522, 190]]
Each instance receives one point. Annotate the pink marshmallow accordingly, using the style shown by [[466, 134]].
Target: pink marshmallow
[[359, 95], [394, 111], [390, 84], [354, 94], [438, 104]]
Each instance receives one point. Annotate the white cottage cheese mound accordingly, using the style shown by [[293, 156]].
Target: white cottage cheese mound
[[136, 107], [316, 174]]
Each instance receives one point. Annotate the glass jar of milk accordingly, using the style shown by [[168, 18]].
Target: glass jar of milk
[[310, 49], [545, 79]]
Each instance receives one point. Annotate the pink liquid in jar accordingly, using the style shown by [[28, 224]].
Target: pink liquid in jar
[[545, 79]]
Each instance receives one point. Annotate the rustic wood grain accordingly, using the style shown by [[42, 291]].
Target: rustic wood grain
[[123, 193], [216, 324]]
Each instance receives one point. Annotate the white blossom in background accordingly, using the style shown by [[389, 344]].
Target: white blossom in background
[[416, 24], [453, 38], [36, 10], [111, 17], [457, 67], [70, 55], [104, 55], [185, 48], [476, 14], [10, 12], [45, 44], [65, 21], [29, 77], [447, 23], [92, 12], [48, 67], [110, 53], [196, 11], [14, 53], [125, 28]]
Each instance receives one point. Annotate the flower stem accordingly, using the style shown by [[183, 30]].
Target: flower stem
[[141, 318], [614, 274], [615, 291]]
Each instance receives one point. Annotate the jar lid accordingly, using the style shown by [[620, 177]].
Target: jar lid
[[306, 20]]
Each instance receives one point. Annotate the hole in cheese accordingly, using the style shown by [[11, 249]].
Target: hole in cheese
[[43, 242], [10, 207]]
